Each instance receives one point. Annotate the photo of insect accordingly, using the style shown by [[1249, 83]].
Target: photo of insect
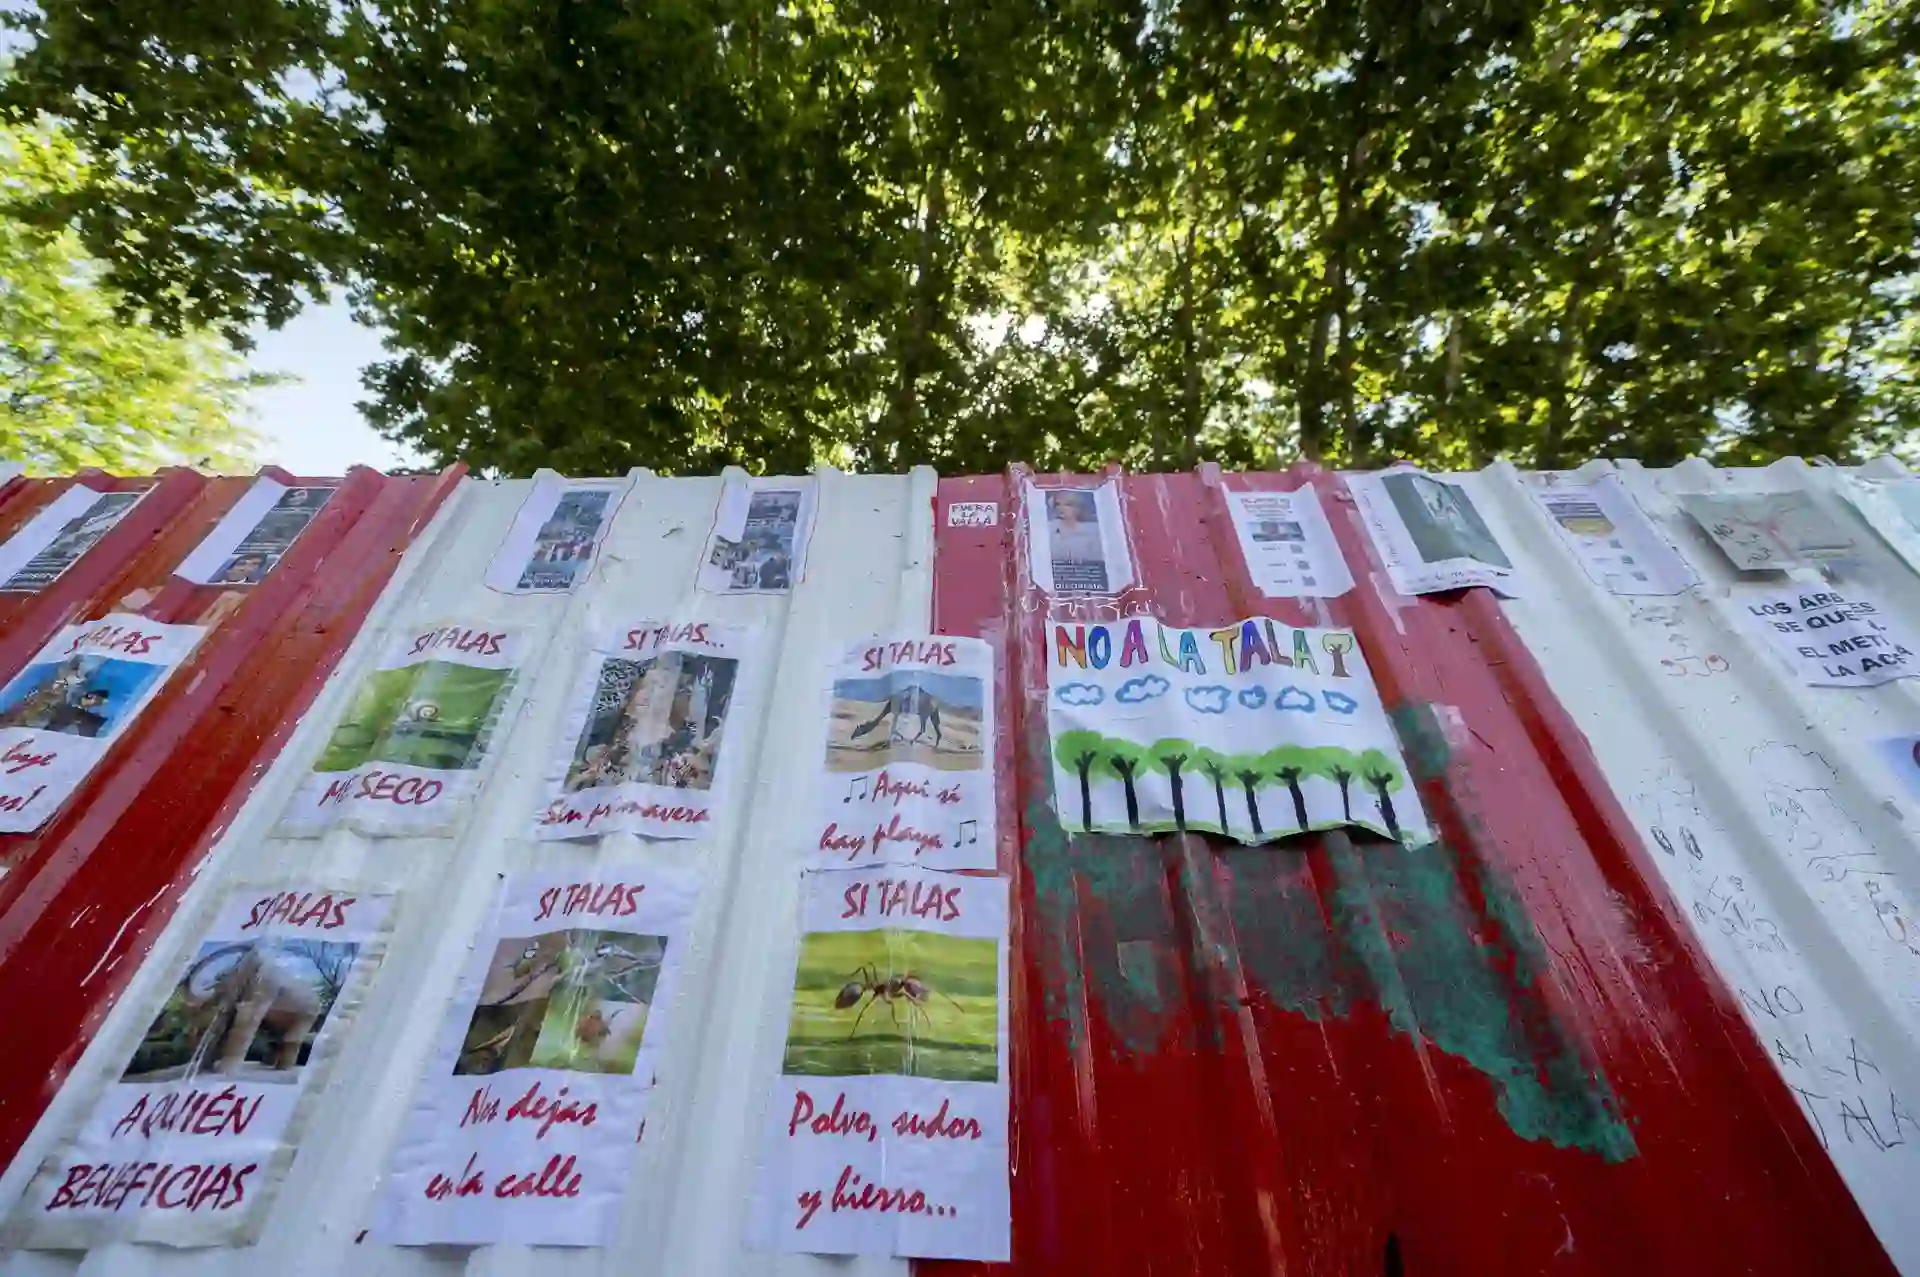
[[867, 987], [941, 997]]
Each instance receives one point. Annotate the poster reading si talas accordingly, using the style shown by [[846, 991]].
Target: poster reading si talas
[[887, 1129], [524, 1130], [254, 535], [187, 1139], [553, 539], [53, 540], [646, 747], [1430, 534], [406, 756], [1257, 730], [1830, 640], [1077, 540], [909, 756], [60, 715], [759, 540]]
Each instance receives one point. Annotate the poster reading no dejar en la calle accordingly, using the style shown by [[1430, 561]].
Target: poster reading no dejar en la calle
[[1256, 730]]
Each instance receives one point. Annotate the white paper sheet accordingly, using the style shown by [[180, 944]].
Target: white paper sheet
[[1288, 544], [1901, 754], [1610, 534], [1256, 730], [1077, 540], [555, 536], [907, 775], [1768, 531], [189, 1139], [1830, 640], [408, 753], [253, 536], [60, 715], [54, 539], [646, 747], [759, 540], [887, 1127], [524, 1129], [1891, 508], [1430, 534]]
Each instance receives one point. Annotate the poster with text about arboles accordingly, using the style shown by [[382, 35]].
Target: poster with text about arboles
[[188, 1136], [524, 1129], [887, 1128], [407, 755], [647, 746], [1256, 730], [908, 769], [1831, 640], [61, 714]]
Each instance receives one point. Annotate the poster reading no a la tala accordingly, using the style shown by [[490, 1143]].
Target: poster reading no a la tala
[[1256, 730], [406, 756]]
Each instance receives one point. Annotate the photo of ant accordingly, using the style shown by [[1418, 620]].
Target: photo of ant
[[941, 994], [868, 987]]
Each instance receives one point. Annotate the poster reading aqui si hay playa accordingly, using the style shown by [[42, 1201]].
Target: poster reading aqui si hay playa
[[646, 746], [524, 1130], [908, 769], [406, 756], [887, 1127], [190, 1135], [1256, 730]]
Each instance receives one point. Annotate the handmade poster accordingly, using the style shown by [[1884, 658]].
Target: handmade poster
[[1611, 535], [1289, 545], [54, 539], [60, 715], [1768, 531], [887, 1129], [553, 539], [1830, 640], [909, 757], [1429, 534], [645, 748], [188, 1138], [250, 540], [1256, 730], [759, 540], [524, 1129], [406, 756], [1077, 540]]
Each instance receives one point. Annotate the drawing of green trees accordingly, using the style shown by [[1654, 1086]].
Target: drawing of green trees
[[1218, 767], [1292, 763], [1125, 760], [1079, 751], [1172, 755], [1250, 770], [1341, 767], [1380, 772]]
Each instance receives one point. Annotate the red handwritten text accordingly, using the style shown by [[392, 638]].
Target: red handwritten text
[[322, 911], [618, 899], [892, 896], [838, 1120], [190, 1187], [222, 1112]]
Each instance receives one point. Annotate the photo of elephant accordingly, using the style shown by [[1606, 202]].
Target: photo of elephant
[[247, 1010]]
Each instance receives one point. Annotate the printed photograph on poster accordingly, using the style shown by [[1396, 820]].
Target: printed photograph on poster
[[262, 526], [1768, 531], [524, 1130], [1616, 543], [644, 746], [555, 535], [1430, 534], [887, 1127], [188, 1139], [1289, 545], [1830, 640], [54, 539], [1257, 730], [909, 759], [1077, 540], [61, 713], [759, 540], [406, 755]]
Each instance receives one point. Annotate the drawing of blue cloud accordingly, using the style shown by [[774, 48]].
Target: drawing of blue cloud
[[1080, 694], [1253, 697], [1135, 690], [1292, 698], [1208, 700], [1340, 702]]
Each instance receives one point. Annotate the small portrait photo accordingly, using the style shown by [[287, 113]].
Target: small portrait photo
[[80, 696], [245, 568], [576, 1000]]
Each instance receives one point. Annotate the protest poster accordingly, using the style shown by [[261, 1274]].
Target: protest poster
[[1077, 540], [1830, 640], [645, 748], [1618, 545], [253, 536], [553, 539], [524, 1129], [188, 1137], [1429, 534], [406, 756], [1257, 730], [887, 1127], [60, 714], [909, 756], [1768, 531], [759, 540], [1289, 545], [54, 539], [1891, 507]]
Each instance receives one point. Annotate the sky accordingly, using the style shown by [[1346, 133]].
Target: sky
[[310, 424]]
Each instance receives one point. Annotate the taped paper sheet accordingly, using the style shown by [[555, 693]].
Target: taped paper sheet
[[646, 747], [1077, 540], [1768, 531], [908, 771], [54, 539], [1429, 534], [60, 715], [524, 1129], [555, 536], [759, 540], [887, 1129], [1610, 534], [1830, 640], [253, 536], [1288, 544]]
